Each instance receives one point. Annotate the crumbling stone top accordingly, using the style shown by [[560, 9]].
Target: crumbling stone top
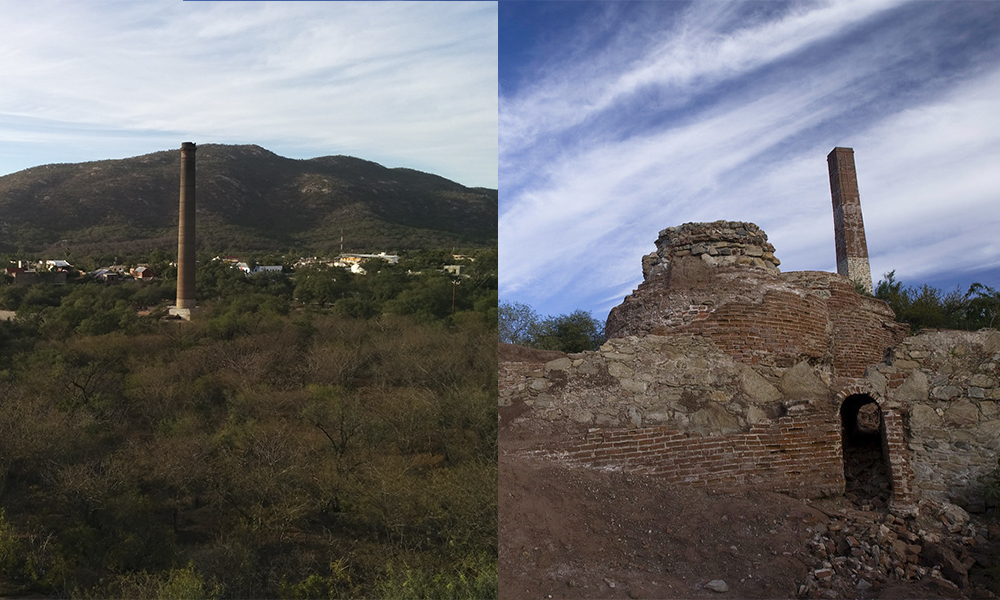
[[720, 243], [721, 280], [736, 232]]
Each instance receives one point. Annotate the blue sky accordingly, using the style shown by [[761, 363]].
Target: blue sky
[[619, 119], [405, 84]]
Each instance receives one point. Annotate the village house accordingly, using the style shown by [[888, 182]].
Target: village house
[[143, 273], [106, 275]]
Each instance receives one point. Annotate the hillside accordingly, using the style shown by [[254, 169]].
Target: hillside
[[249, 199]]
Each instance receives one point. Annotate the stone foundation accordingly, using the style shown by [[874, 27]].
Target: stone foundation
[[182, 313]]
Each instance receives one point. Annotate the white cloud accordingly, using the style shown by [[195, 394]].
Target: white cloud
[[693, 56], [411, 83]]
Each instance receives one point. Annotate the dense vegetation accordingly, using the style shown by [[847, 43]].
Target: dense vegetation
[[311, 436], [249, 199], [575, 332], [928, 307]]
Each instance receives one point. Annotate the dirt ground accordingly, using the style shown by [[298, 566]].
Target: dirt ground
[[572, 532]]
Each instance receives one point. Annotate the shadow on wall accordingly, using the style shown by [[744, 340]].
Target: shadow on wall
[[866, 457]]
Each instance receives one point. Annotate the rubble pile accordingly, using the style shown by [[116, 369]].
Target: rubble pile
[[859, 552], [869, 483]]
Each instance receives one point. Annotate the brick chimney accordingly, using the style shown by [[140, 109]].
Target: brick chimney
[[848, 226], [185, 231]]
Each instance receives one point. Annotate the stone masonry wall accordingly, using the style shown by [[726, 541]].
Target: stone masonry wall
[[677, 407], [725, 372], [948, 384], [681, 382], [716, 244]]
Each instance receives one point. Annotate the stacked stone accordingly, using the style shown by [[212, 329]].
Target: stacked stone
[[949, 383], [720, 243], [860, 551], [682, 382]]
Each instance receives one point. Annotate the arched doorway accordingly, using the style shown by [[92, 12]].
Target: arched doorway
[[866, 456]]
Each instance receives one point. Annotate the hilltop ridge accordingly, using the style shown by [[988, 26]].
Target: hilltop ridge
[[249, 198]]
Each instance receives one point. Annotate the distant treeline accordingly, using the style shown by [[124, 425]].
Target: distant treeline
[[416, 286], [928, 307]]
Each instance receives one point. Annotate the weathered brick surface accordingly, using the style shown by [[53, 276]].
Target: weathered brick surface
[[894, 441], [782, 330], [899, 459], [798, 455], [863, 329], [848, 223]]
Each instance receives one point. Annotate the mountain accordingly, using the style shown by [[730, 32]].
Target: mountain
[[248, 199]]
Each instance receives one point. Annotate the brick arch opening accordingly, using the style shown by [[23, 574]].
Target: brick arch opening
[[867, 471]]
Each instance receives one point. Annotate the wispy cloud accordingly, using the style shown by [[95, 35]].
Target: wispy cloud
[[717, 111], [408, 83], [697, 51]]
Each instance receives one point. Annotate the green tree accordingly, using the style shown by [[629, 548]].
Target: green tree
[[983, 306], [12, 296], [575, 332], [516, 323], [427, 297], [321, 284]]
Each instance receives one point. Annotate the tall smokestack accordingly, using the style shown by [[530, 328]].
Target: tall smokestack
[[848, 226], [185, 231]]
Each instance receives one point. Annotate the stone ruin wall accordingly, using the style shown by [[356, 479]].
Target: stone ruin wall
[[748, 308], [678, 408], [743, 389], [948, 383]]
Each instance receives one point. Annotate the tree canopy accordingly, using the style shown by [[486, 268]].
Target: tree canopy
[[928, 307], [575, 332]]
